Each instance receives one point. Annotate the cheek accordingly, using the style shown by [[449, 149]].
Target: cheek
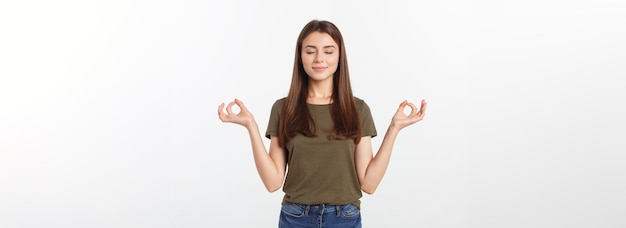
[[334, 60], [306, 60]]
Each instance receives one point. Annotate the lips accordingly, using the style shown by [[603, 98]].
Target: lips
[[319, 69]]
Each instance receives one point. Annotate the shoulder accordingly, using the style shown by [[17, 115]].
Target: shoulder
[[281, 100], [360, 103], [278, 104], [358, 100]]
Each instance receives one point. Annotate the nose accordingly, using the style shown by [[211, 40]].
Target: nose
[[318, 58]]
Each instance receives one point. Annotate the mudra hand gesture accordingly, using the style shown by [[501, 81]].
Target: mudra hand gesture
[[243, 118], [401, 120]]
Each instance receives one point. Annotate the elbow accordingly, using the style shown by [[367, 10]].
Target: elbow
[[272, 184], [272, 188], [368, 190], [368, 187]]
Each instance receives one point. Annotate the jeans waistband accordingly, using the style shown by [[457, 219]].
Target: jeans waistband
[[320, 208]]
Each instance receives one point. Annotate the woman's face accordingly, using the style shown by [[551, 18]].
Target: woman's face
[[320, 56]]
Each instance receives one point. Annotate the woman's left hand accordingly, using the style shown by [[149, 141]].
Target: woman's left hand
[[401, 120]]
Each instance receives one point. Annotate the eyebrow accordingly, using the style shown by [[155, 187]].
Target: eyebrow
[[311, 46]]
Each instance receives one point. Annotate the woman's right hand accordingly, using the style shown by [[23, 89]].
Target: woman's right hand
[[243, 118]]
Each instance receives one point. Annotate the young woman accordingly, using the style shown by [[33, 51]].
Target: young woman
[[323, 134]]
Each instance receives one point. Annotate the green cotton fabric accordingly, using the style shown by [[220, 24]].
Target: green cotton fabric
[[321, 171]]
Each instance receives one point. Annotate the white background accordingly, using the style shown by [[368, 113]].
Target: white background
[[108, 110]]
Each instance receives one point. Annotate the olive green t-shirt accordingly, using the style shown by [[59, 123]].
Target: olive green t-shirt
[[321, 171]]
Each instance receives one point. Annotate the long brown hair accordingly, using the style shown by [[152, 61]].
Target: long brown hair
[[295, 113]]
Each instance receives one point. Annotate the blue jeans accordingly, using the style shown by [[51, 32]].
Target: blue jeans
[[319, 216]]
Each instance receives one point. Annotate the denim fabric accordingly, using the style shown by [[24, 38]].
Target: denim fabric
[[319, 216]]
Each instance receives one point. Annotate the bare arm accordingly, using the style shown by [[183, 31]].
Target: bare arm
[[271, 167], [371, 169]]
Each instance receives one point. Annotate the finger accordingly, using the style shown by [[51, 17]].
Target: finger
[[220, 112], [229, 108], [402, 105], [220, 108], [240, 104], [413, 109], [422, 111]]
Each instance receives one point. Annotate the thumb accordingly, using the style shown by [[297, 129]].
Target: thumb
[[240, 104], [402, 105]]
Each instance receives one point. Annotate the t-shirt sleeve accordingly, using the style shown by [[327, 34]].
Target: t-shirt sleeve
[[272, 126], [367, 122]]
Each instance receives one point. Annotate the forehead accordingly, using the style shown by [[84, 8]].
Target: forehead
[[319, 39]]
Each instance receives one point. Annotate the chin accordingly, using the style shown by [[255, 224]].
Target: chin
[[316, 76], [320, 78]]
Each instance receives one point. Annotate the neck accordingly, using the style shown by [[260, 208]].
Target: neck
[[320, 92]]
